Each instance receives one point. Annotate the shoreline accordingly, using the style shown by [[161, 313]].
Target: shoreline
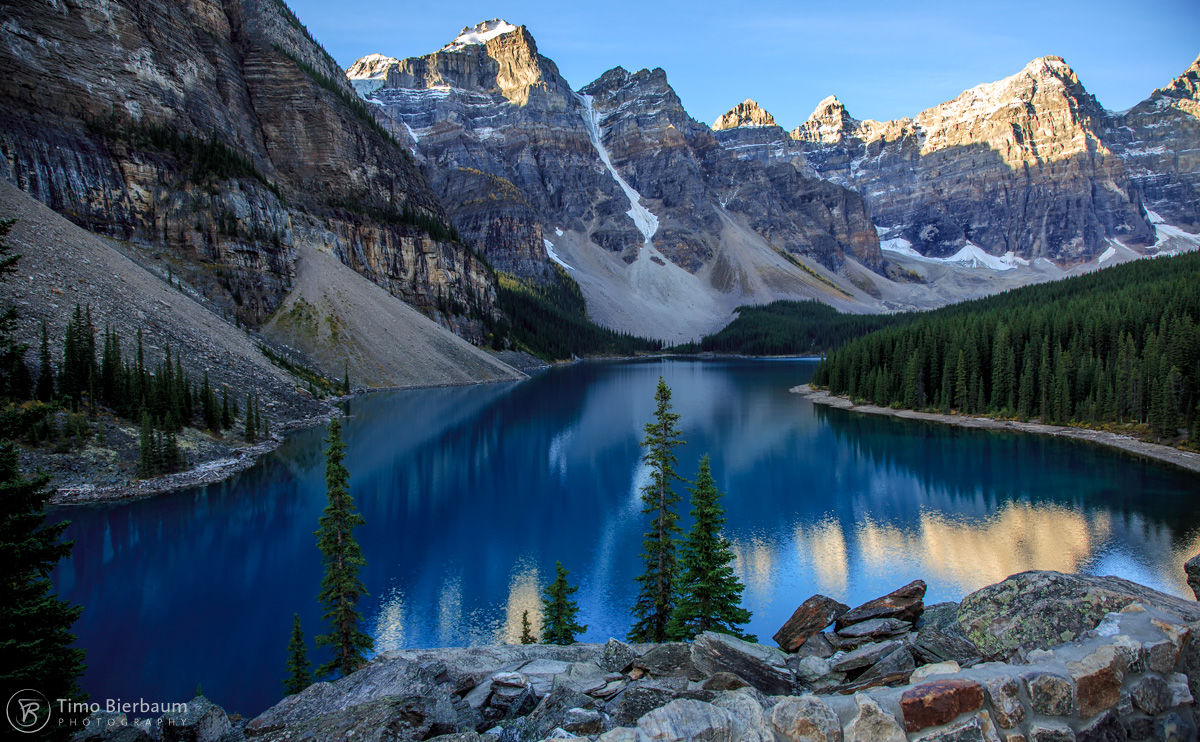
[[1165, 454]]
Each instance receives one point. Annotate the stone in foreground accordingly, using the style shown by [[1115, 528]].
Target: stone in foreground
[[761, 666], [905, 604], [808, 619], [939, 701]]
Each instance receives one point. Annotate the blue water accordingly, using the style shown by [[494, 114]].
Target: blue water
[[471, 494]]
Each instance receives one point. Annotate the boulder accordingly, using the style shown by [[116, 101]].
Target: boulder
[[805, 719], [938, 701], [641, 697], [872, 723], [672, 659], [817, 645], [616, 656], [1039, 610], [808, 619], [584, 721], [904, 603], [745, 706], [875, 629], [412, 717], [1050, 694], [761, 666], [203, 721], [864, 656], [685, 719], [1192, 567], [551, 712], [937, 668], [897, 662], [724, 681]]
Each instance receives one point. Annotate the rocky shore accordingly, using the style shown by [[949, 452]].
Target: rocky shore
[[1166, 454], [1039, 657]]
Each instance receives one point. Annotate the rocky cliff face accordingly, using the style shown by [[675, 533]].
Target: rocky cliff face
[[615, 180], [223, 133], [1159, 141], [1030, 165]]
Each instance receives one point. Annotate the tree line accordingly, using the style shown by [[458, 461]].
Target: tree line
[[162, 398], [1118, 346], [550, 320], [789, 328]]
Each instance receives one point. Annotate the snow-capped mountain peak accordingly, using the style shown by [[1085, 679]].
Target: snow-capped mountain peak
[[480, 33]]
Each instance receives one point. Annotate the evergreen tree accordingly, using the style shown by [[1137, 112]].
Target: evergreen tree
[[341, 587], [35, 625], [226, 413], [710, 594], [36, 650], [558, 617], [298, 668], [45, 380], [656, 598], [251, 431], [527, 636], [147, 461]]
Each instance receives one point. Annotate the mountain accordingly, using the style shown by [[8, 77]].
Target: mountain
[[1030, 165], [664, 230], [221, 137]]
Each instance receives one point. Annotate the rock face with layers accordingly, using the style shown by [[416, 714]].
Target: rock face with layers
[[614, 181], [1030, 165], [223, 135], [1017, 166]]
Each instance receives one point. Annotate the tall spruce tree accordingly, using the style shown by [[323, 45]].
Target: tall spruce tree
[[35, 625], [45, 380], [341, 587], [558, 617], [298, 668], [657, 594], [710, 594]]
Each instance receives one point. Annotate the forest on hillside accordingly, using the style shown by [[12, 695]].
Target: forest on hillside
[[789, 328], [550, 320], [1118, 346]]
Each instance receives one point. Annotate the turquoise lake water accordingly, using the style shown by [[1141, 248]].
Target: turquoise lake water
[[471, 494]]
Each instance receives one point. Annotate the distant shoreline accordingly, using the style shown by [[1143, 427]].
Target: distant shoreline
[[1165, 454]]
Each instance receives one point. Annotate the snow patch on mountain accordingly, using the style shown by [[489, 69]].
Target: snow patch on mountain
[[646, 222], [970, 256], [553, 255], [480, 33]]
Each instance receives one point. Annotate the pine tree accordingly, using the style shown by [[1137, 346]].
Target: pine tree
[[226, 413], [251, 431], [148, 455], [656, 598], [36, 649], [45, 380], [558, 618], [527, 636], [710, 594], [298, 668], [341, 587]]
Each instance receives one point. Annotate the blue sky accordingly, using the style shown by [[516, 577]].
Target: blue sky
[[883, 59]]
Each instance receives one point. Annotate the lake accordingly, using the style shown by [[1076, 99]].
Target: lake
[[471, 494]]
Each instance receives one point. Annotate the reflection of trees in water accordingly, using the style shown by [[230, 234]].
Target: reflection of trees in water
[[993, 467]]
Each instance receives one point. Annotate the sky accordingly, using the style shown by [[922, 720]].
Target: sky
[[883, 60]]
